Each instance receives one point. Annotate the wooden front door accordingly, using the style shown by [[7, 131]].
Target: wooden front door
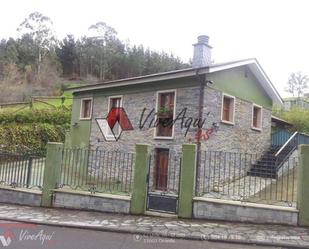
[[161, 169]]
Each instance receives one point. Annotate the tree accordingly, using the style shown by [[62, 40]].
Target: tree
[[8, 51], [297, 84], [67, 53], [102, 36], [39, 28]]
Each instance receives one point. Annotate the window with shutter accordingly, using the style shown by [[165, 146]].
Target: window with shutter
[[256, 117], [86, 108], [228, 109], [165, 114]]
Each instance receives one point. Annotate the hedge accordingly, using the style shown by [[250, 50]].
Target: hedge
[[299, 118], [30, 130], [57, 116], [30, 137]]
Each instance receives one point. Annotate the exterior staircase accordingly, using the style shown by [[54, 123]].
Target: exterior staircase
[[267, 166], [273, 159]]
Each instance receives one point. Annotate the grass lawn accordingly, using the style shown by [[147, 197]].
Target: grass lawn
[[39, 104]]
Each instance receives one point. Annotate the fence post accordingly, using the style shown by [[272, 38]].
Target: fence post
[[187, 181], [303, 185], [51, 172], [139, 190], [29, 171]]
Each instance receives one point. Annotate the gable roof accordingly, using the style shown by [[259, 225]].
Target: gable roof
[[252, 63], [280, 120]]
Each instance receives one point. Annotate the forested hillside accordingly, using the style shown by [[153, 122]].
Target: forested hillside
[[37, 63]]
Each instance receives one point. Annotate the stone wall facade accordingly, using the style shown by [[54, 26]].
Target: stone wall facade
[[239, 137], [245, 212]]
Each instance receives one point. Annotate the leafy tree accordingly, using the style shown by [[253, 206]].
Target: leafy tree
[[8, 51], [39, 28], [27, 51], [33, 62], [67, 53], [102, 31], [297, 84], [298, 117], [102, 36]]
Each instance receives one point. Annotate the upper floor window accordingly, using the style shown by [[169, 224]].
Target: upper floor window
[[114, 102], [257, 117], [165, 114], [228, 109], [86, 108]]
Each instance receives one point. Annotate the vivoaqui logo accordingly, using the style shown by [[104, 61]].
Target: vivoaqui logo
[[117, 121], [114, 124], [6, 239]]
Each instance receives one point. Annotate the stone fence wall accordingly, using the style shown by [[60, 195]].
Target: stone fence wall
[[20, 196], [86, 201], [214, 209]]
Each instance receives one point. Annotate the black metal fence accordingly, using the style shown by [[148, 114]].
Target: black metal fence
[[247, 177], [97, 170], [22, 170]]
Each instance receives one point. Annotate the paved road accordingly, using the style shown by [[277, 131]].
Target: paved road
[[26, 235]]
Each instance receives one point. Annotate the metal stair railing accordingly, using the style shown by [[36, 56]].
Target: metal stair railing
[[286, 150], [289, 147]]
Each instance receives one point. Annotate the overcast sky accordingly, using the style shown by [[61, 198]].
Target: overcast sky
[[275, 31]]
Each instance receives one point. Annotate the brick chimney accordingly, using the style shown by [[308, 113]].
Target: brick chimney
[[202, 52]]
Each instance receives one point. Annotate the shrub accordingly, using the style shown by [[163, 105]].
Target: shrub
[[57, 116], [31, 130], [298, 117], [30, 137]]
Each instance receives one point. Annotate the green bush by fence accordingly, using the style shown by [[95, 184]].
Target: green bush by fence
[[33, 129], [30, 137], [298, 117], [57, 116]]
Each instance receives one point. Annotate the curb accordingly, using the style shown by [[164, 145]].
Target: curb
[[159, 234]]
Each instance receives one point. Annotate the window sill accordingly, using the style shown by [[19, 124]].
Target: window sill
[[163, 138], [85, 119], [256, 129], [227, 122]]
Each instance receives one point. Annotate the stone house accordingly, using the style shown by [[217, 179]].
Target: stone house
[[221, 107]]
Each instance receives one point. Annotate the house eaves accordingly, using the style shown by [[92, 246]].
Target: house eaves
[[258, 72], [252, 64]]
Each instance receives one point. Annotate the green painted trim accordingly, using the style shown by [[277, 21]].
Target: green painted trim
[[241, 83], [80, 131], [139, 190], [303, 186], [187, 181], [149, 87], [51, 172]]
